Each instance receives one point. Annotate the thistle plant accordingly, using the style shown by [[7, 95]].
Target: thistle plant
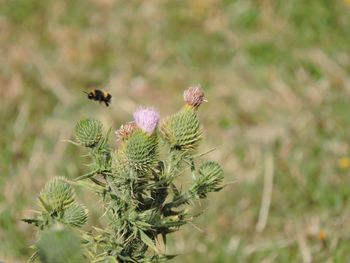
[[138, 182]]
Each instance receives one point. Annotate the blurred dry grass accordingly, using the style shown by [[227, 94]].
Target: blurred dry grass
[[276, 74]]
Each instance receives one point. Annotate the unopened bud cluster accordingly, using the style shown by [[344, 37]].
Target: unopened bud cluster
[[137, 181]]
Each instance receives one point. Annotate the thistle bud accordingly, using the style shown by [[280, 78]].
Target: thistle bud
[[59, 245], [88, 132], [125, 131], [57, 194], [182, 130], [140, 151], [146, 119], [210, 179], [194, 96], [75, 215]]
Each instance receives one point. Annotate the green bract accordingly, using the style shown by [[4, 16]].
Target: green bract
[[58, 245], [182, 130], [75, 215], [88, 132], [140, 151], [57, 194], [210, 179]]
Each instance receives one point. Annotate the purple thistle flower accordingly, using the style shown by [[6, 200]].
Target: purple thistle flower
[[146, 119]]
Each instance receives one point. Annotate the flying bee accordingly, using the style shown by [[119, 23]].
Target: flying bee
[[100, 96]]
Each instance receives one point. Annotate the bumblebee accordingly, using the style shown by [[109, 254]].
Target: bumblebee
[[100, 96]]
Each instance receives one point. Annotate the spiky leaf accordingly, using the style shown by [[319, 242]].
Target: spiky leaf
[[88, 132]]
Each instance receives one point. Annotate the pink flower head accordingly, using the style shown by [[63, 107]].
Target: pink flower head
[[146, 119], [125, 131], [194, 96]]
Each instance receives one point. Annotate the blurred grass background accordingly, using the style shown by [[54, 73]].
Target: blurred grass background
[[276, 74]]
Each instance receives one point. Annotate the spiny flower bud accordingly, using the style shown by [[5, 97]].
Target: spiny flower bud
[[59, 245], [139, 152], [146, 119], [57, 194], [75, 215], [194, 96], [88, 132], [182, 130], [125, 131], [210, 179]]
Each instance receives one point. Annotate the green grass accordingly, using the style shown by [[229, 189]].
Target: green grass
[[276, 77]]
